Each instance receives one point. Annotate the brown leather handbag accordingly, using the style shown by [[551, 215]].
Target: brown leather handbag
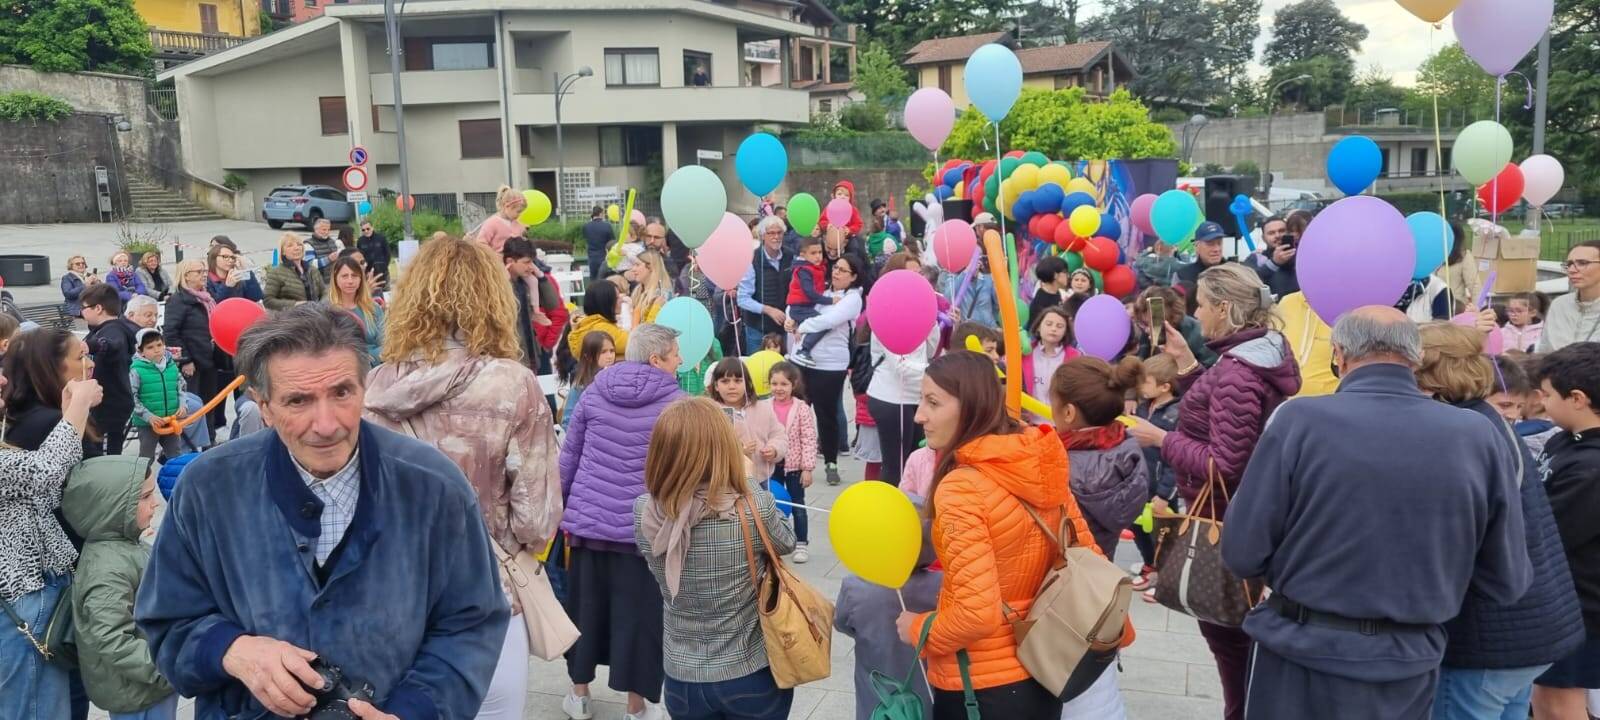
[[1190, 575], [796, 620]]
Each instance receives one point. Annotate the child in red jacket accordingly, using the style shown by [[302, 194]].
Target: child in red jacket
[[847, 190], [807, 291]]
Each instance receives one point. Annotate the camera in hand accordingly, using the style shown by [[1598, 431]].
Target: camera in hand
[[333, 700]]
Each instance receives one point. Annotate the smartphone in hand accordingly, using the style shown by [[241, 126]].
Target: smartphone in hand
[[1158, 323]]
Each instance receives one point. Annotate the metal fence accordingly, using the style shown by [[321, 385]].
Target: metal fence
[[1555, 243], [442, 203], [162, 101]]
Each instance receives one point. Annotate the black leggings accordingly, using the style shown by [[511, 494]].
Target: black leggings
[[825, 389], [898, 435], [1025, 700]]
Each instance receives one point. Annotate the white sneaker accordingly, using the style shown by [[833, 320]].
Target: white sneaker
[[801, 553], [651, 711], [577, 706]]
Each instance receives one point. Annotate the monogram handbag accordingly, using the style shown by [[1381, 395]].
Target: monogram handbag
[[1191, 577], [796, 620]]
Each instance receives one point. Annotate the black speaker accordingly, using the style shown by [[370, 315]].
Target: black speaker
[[958, 209], [1220, 191]]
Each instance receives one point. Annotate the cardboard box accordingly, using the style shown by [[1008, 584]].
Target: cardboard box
[[1514, 259]]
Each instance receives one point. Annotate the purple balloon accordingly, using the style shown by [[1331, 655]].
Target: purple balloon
[[1102, 327], [1499, 33], [1357, 252]]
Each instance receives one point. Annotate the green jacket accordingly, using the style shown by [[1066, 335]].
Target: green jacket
[[284, 288], [100, 502], [156, 390]]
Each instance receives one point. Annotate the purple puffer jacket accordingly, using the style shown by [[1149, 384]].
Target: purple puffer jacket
[[602, 457], [1111, 487], [1225, 408]]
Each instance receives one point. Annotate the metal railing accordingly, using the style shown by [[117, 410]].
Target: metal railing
[[177, 42], [162, 101]]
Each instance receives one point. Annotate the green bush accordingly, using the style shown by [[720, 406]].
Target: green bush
[[424, 223], [1413, 202], [557, 236], [863, 117], [28, 105], [234, 182]]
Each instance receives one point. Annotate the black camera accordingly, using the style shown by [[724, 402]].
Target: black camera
[[333, 700]]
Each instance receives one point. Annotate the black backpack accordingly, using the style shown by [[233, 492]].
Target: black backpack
[[862, 366]]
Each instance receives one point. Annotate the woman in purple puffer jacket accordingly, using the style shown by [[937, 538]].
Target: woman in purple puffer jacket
[[611, 595], [1220, 419]]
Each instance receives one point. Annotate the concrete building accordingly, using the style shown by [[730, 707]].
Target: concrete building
[[671, 85], [182, 30], [1095, 66]]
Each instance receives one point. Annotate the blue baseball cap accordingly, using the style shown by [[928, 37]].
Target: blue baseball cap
[[1209, 231]]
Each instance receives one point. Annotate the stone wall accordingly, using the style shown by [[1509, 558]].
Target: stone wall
[[870, 183], [93, 93], [47, 169]]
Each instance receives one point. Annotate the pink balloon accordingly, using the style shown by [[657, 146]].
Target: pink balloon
[[838, 212], [902, 310], [727, 254], [1493, 344], [954, 245], [1542, 178], [1139, 212], [930, 114]]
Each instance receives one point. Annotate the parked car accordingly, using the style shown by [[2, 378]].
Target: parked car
[[305, 204]]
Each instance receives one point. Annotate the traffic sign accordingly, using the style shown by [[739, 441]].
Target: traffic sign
[[355, 197], [355, 179], [358, 156]]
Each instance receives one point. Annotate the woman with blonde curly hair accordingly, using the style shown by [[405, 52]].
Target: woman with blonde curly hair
[[453, 377]]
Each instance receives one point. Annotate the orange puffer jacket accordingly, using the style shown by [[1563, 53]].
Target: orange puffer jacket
[[993, 553]]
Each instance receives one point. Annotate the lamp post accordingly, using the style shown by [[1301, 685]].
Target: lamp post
[[1198, 122], [391, 26], [563, 84], [1272, 97]]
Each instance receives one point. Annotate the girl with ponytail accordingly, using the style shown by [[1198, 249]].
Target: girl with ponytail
[[1107, 468]]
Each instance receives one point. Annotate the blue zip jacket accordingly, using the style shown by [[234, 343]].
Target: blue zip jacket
[[412, 604]]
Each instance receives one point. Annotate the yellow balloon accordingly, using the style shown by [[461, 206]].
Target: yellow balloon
[[613, 212], [1085, 221], [1029, 402], [538, 209], [1084, 186], [1430, 10], [1008, 197], [760, 367], [1056, 175], [1025, 177], [876, 532]]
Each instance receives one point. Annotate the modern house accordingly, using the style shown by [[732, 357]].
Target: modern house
[[1095, 66], [182, 30], [648, 84]]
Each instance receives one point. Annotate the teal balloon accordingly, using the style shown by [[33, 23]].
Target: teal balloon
[[693, 323], [1434, 239], [761, 163], [365, 207], [1175, 216], [693, 202], [994, 80], [1034, 157], [1008, 166]]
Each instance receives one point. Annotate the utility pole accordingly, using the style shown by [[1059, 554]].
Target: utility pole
[[391, 26]]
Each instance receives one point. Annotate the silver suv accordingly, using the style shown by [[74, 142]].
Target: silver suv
[[305, 204]]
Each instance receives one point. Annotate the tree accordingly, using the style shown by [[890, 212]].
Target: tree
[[880, 77], [900, 24], [1313, 28], [1236, 25], [1459, 82], [1329, 82], [1048, 22], [1060, 124], [1573, 124], [1375, 89], [73, 35], [1168, 42]]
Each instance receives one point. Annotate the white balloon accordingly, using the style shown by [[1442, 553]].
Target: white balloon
[[1542, 176]]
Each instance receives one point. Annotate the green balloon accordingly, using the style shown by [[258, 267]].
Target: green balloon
[[992, 187], [1007, 166], [804, 213], [1482, 151], [1034, 157], [1099, 280], [693, 201], [1074, 261]]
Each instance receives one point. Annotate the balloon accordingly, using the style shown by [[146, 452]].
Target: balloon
[[876, 532], [1048, 225], [365, 207], [930, 115], [613, 213], [760, 367], [1482, 151], [903, 312], [1354, 163], [943, 192], [1493, 342], [1010, 319], [1356, 252], [1063, 237], [1074, 258], [761, 163], [780, 493], [1433, 238], [405, 202], [1430, 11], [954, 244], [1102, 327], [1503, 192], [994, 80], [1083, 185], [230, 319], [1047, 199], [1008, 165], [1139, 213], [538, 209], [693, 202], [1014, 154], [1499, 33], [1175, 215], [1075, 200], [1085, 220], [1055, 174], [1034, 157], [1542, 177], [693, 324], [1025, 177], [839, 211], [803, 213], [726, 253], [1100, 254], [1109, 228], [1119, 281]]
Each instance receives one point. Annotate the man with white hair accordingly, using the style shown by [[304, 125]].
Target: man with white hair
[[764, 289], [1370, 513]]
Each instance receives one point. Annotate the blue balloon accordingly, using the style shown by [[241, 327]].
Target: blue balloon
[[1241, 209], [1175, 216], [364, 208], [1109, 228], [1047, 198], [1434, 239], [994, 80], [1075, 201], [952, 176], [943, 193], [780, 493], [761, 163], [1122, 255], [1354, 163], [1023, 209]]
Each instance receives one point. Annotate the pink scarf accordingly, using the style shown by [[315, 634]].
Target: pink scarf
[[204, 298]]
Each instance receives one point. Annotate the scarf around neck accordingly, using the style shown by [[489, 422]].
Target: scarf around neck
[[1104, 437], [204, 298], [670, 537]]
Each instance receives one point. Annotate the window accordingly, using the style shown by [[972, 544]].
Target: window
[[944, 78], [1444, 159], [633, 67], [808, 63], [824, 106], [326, 194], [208, 18], [480, 139], [334, 120], [629, 144], [449, 53], [310, 3], [1383, 170], [696, 69], [525, 140], [1419, 161]]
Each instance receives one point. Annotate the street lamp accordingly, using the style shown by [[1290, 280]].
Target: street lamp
[[1198, 122], [1272, 97], [563, 84]]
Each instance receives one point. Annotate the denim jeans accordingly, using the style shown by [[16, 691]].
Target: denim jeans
[[752, 697], [1474, 694], [797, 495], [165, 710], [31, 689]]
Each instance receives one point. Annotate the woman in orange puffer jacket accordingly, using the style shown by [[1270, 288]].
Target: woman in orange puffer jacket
[[994, 555]]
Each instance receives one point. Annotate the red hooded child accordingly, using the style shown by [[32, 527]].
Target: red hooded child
[[854, 226]]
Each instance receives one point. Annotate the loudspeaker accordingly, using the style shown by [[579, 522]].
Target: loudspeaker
[[954, 209], [1220, 191]]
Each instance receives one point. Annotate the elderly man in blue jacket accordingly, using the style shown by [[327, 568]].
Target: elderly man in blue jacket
[[328, 539]]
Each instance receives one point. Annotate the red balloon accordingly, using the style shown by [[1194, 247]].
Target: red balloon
[[1118, 281], [1048, 224], [1503, 192], [1014, 154], [1064, 238], [948, 164], [230, 319], [1100, 254]]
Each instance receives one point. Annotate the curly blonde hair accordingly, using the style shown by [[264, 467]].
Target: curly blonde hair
[[452, 288], [1454, 367]]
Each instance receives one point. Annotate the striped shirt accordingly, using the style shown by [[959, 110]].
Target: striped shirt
[[338, 494]]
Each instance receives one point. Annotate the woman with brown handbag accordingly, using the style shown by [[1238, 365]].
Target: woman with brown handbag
[[1220, 418], [692, 528]]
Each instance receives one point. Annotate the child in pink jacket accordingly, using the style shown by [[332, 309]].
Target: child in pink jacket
[[800, 423]]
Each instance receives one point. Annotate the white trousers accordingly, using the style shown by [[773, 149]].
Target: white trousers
[[508, 690], [1102, 701]]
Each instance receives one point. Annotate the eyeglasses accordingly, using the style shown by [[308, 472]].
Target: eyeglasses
[[230, 256], [1579, 265]]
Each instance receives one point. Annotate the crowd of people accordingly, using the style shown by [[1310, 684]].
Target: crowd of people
[[394, 446]]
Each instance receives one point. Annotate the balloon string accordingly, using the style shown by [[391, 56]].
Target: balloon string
[[999, 211], [1494, 184], [1528, 103], [798, 505], [900, 593], [1444, 213], [175, 425]]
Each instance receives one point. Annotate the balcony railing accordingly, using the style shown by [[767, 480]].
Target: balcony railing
[[189, 44], [278, 9]]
